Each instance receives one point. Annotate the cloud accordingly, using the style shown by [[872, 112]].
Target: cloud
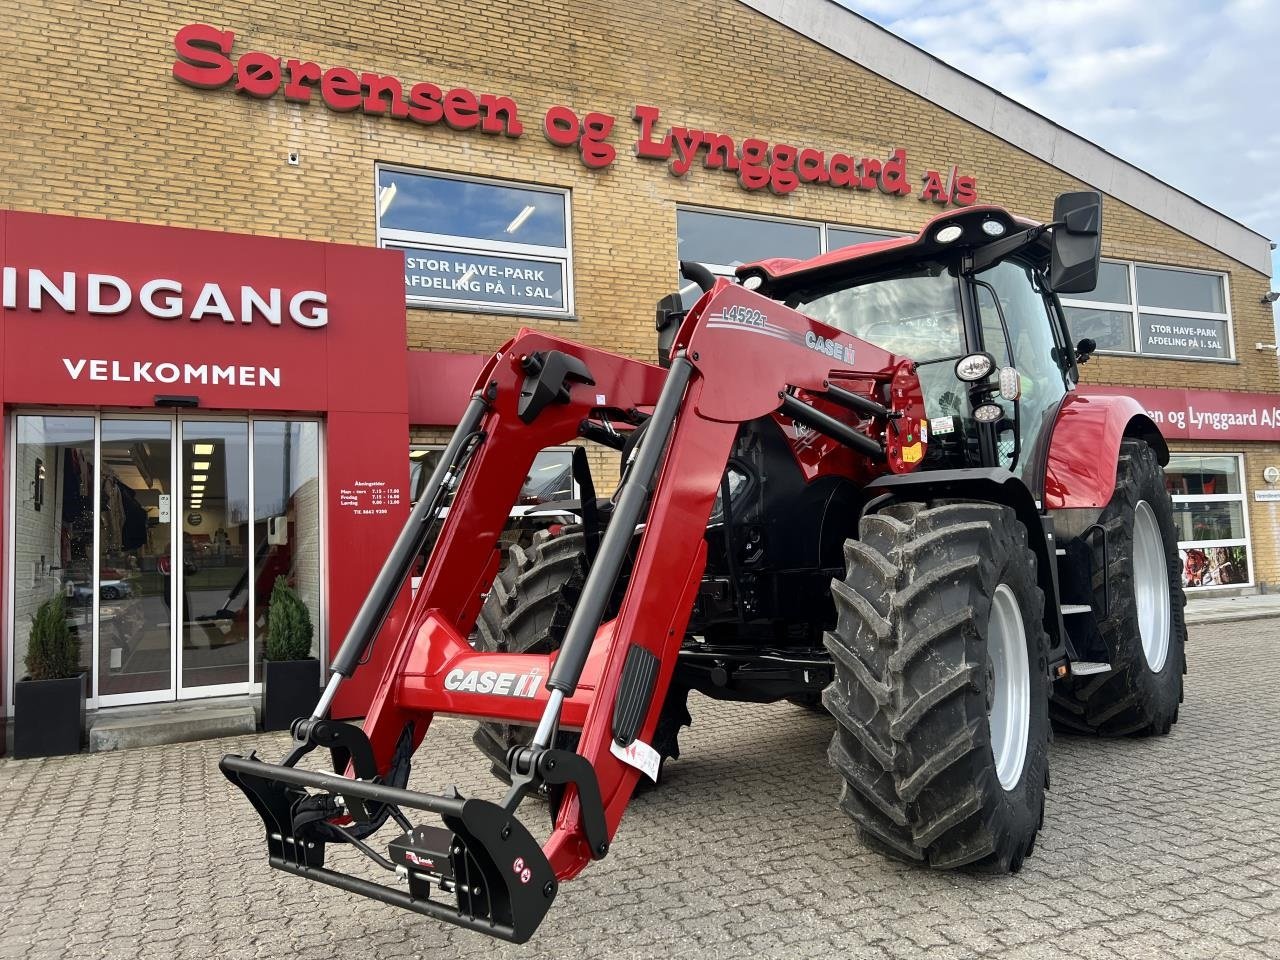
[[1184, 89]]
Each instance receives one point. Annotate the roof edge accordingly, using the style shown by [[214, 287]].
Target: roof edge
[[870, 45]]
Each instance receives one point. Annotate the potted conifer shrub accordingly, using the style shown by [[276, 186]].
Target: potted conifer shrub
[[48, 704], [290, 675]]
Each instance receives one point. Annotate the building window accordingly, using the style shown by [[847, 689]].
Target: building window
[[1209, 515], [724, 241], [478, 244], [1155, 311]]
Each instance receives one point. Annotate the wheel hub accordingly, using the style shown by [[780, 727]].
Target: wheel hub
[[1008, 687], [1151, 586]]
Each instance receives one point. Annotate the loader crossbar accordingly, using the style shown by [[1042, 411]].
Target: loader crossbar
[[737, 357]]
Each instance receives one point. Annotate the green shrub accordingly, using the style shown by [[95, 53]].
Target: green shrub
[[53, 652], [288, 625]]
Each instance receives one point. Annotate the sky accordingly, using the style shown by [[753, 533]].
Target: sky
[[1184, 89]]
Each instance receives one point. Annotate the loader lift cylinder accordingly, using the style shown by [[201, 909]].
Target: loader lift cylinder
[[563, 680], [395, 571]]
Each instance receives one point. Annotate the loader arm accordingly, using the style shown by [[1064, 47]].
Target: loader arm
[[737, 357]]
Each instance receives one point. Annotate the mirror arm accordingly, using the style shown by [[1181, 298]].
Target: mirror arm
[[990, 254]]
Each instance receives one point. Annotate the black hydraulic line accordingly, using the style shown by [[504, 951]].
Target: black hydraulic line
[[377, 605], [618, 535], [332, 783], [826, 424], [730, 547], [363, 847], [857, 402]]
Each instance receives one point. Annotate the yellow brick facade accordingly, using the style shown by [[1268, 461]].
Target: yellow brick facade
[[97, 126]]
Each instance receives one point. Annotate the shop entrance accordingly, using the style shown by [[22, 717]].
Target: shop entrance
[[164, 537]]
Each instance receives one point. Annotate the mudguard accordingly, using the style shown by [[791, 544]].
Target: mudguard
[[1085, 447]]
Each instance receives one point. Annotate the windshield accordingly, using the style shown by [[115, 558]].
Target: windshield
[[915, 314]]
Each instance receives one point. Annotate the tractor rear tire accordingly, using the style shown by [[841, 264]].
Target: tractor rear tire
[[941, 686], [1146, 628], [528, 611]]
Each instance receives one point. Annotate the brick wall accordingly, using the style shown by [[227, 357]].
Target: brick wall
[[97, 126]]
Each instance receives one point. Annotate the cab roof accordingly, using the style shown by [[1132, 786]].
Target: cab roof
[[783, 274]]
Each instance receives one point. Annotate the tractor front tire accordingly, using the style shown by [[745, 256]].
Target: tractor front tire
[[527, 611], [941, 686], [1145, 628]]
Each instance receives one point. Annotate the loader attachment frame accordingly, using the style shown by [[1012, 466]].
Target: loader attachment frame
[[737, 357]]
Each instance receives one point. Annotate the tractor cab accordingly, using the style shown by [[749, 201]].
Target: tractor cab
[[971, 299]]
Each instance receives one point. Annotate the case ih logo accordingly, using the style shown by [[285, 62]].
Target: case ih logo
[[204, 60], [494, 682], [831, 348]]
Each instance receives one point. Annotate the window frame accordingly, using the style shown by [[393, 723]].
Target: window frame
[[1135, 310], [396, 239], [1242, 498]]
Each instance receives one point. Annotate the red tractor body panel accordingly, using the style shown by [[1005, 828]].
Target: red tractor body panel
[[1085, 447], [736, 379]]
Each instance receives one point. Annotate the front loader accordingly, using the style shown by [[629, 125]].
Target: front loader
[[863, 483]]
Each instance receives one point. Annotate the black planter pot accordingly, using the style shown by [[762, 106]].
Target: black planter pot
[[48, 717], [290, 689]]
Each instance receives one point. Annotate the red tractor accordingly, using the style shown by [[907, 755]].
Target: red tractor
[[864, 483]]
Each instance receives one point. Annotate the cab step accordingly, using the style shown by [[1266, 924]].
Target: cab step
[[1068, 609], [1083, 668]]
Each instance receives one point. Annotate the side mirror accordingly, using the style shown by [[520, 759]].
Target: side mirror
[[670, 315], [1076, 249]]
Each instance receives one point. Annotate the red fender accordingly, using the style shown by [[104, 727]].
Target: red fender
[[1085, 448]]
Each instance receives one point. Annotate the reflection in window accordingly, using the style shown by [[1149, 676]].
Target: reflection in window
[[286, 517], [1176, 313], [840, 237], [722, 242], [1208, 513], [549, 481], [53, 528], [914, 315], [477, 243]]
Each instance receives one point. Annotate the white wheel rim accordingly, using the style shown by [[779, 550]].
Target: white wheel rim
[[1010, 685], [1150, 586]]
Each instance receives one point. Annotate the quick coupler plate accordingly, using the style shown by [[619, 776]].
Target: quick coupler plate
[[425, 855], [483, 857]]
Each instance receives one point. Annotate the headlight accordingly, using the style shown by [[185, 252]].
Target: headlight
[[949, 234], [988, 413], [993, 228], [975, 366]]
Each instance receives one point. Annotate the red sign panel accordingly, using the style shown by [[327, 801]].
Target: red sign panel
[[1205, 414], [102, 314]]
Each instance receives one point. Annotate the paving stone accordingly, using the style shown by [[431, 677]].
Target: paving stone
[[1152, 848]]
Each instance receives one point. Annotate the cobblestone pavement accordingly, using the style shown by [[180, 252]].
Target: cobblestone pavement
[[1164, 848]]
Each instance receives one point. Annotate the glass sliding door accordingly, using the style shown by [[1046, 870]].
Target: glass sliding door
[[286, 521], [52, 480], [214, 632], [137, 571], [163, 536]]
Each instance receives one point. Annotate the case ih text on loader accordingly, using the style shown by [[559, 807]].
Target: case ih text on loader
[[863, 483]]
